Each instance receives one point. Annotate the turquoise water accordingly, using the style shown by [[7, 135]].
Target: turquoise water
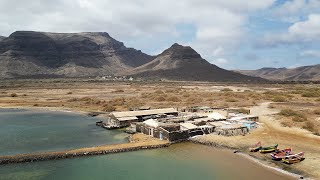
[[25, 131], [41, 131]]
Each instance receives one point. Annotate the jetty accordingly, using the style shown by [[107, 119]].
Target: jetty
[[137, 142]]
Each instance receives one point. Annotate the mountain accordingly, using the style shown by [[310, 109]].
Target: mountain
[[42, 54], [183, 63], [304, 73], [29, 54], [2, 37]]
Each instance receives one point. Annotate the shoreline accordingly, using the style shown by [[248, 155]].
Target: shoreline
[[220, 146], [250, 158], [53, 109]]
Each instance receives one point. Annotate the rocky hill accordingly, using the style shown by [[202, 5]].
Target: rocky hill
[[29, 54], [304, 73], [2, 37], [183, 63], [41, 54]]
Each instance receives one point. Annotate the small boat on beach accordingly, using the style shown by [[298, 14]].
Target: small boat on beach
[[255, 147], [280, 154], [268, 149], [294, 158]]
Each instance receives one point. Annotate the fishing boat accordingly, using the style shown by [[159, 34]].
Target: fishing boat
[[280, 154], [294, 158], [255, 147], [268, 149]]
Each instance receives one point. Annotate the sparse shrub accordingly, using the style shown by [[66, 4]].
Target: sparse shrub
[[173, 99], [69, 92], [231, 100], [117, 101], [24, 95], [185, 95], [317, 111], [160, 98], [14, 95], [226, 90], [159, 92], [108, 108], [299, 119], [271, 106], [118, 91], [36, 105], [318, 100], [288, 112], [310, 94], [310, 126], [296, 116], [279, 99]]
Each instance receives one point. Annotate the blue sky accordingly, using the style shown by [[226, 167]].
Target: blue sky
[[236, 34]]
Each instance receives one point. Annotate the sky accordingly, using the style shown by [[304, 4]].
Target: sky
[[233, 34]]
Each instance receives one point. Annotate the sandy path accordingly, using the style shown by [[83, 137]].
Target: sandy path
[[271, 132]]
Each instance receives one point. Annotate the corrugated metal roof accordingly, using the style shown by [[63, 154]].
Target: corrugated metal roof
[[188, 125], [216, 116], [143, 112], [130, 118]]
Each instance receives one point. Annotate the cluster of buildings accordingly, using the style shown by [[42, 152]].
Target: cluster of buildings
[[116, 78], [173, 125]]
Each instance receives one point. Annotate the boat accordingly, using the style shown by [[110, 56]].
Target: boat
[[99, 123], [294, 158], [280, 154], [255, 147], [268, 149]]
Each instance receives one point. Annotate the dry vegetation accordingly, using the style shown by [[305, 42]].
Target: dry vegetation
[[297, 105]]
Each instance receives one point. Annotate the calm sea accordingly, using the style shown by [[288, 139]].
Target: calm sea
[[23, 131]]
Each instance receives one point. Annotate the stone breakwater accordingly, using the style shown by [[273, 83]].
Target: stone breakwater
[[100, 150]]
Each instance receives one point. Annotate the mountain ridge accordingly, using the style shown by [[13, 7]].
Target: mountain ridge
[[302, 73], [30, 54]]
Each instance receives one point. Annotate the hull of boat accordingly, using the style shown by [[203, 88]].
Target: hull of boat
[[269, 149]]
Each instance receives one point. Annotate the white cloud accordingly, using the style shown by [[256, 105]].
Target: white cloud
[[220, 61], [310, 53], [218, 23], [292, 10], [299, 32]]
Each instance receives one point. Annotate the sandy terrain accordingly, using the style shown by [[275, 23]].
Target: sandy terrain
[[271, 132]]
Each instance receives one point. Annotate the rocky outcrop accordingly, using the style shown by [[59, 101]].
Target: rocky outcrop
[[183, 63], [2, 38]]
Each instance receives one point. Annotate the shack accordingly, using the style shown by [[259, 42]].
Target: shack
[[232, 130], [200, 109], [163, 131], [123, 119], [241, 117]]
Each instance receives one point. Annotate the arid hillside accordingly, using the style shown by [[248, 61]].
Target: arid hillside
[[304, 73]]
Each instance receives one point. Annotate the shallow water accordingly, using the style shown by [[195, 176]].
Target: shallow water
[[184, 161], [26, 131]]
